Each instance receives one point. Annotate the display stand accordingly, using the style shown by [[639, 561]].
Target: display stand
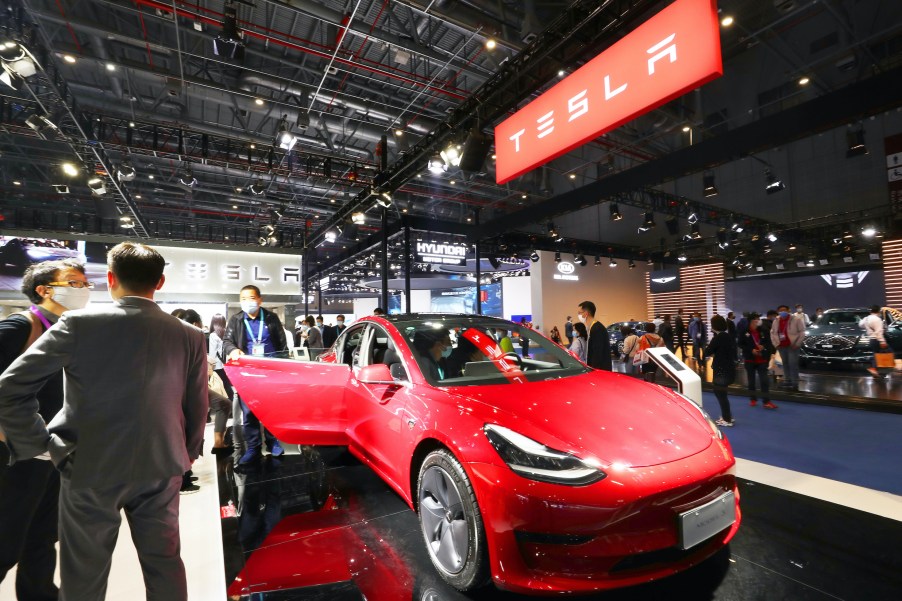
[[689, 384]]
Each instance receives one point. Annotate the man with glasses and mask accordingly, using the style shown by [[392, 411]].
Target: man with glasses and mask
[[254, 331], [132, 422], [598, 354], [29, 489]]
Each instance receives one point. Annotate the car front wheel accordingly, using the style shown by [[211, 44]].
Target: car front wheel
[[451, 522]]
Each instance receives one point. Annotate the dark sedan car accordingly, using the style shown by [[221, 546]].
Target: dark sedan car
[[617, 338], [837, 339]]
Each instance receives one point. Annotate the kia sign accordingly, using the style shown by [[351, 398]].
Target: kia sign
[[673, 52], [565, 272]]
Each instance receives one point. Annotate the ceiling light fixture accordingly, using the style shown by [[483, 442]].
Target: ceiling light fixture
[[42, 126], [803, 81], [69, 169], [557, 257], [579, 260], [490, 44], [534, 257], [437, 165], [855, 140], [230, 42], [284, 138], [631, 264], [709, 188], [648, 222], [774, 184], [97, 186], [726, 21], [187, 178], [612, 263], [125, 172], [616, 215], [358, 218], [257, 188]]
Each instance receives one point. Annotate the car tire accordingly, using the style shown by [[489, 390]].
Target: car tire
[[451, 522]]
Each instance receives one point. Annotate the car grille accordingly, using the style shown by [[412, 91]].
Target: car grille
[[830, 342]]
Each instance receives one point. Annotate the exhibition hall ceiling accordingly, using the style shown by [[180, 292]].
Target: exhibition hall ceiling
[[279, 121]]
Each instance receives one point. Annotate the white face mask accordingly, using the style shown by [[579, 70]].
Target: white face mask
[[340, 322], [250, 306], [71, 298], [582, 318]]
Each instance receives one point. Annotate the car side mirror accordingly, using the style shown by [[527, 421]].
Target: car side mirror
[[377, 373], [397, 371]]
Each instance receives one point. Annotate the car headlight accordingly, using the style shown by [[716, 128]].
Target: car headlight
[[705, 415], [535, 461]]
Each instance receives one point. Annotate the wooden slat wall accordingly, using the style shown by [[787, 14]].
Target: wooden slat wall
[[701, 289], [892, 272]]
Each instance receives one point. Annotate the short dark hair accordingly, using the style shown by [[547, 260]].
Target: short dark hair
[[178, 313], [650, 327], [138, 267], [340, 316], [251, 287], [310, 321], [319, 316], [41, 274], [782, 307], [580, 329], [666, 317], [378, 311], [193, 317], [753, 316], [588, 307], [771, 312], [875, 308], [718, 323]]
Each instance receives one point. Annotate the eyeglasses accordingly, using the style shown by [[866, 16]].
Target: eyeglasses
[[74, 284]]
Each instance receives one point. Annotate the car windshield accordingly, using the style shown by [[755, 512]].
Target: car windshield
[[468, 351], [841, 317]]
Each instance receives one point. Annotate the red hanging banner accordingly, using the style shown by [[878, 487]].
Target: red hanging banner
[[675, 51]]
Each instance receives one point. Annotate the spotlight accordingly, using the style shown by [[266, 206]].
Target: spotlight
[[648, 222], [125, 222], [772, 237], [856, 143], [331, 236], [693, 215], [229, 43], [257, 188], [125, 172], [722, 241], [61, 188], [383, 199], [284, 138], [682, 257], [552, 231], [694, 232], [710, 188], [737, 227], [17, 64], [868, 231], [42, 126], [612, 263], [597, 261], [534, 257], [437, 165], [632, 264], [579, 260], [451, 155], [358, 218], [557, 257], [187, 178], [10, 78], [69, 169], [774, 184], [490, 44], [616, 215], [97, 186]]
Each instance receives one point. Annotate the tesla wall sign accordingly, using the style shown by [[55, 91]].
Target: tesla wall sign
[[566, 271], [446, 254], [673, 52]]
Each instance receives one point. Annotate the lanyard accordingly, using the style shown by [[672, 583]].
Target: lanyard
[[247, 324], [44, 320]]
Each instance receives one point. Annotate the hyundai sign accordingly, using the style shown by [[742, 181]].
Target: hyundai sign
[[673, 52], [445, 254]]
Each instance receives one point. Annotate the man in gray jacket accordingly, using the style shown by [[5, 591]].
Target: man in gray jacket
[[132, 422]]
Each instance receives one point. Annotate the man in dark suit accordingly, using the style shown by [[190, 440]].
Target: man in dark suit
[[132, 422], [599, 353]]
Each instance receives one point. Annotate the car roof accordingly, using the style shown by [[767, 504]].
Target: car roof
[[442, 316]]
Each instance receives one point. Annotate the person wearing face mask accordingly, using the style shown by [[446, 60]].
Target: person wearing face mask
[[698, 334], [254, 331], [313, 340], [433, 347], [339, 325], [800, 310], [329, 332], [598, 345], [818, 313], [133, 419], [29, 489], [786, 334]]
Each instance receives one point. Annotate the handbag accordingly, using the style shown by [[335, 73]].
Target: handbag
[[885, 360], [724, 377]]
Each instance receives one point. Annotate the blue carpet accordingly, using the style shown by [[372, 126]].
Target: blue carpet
[[853, 446]]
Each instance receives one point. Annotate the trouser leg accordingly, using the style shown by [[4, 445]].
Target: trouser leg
[[29, 491], [88, 527], [785, 359], [750, 371], [792, 376], [724, 402], [761, 369], [251, 428], [153, 517]]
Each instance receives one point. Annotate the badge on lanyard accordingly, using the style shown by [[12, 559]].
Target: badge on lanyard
[[257, 347]]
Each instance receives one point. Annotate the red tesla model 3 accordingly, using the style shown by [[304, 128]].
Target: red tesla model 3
[[536, 472]]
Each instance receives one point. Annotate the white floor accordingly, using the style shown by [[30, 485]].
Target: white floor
[[202, 538], [201, 546]]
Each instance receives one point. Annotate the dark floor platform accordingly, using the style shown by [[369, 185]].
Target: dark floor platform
[[318, 525]]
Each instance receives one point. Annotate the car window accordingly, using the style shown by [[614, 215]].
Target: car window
[[841, 317], [467, 351], [350, 344]]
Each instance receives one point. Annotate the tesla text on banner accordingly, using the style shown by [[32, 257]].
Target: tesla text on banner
[[673, 52]]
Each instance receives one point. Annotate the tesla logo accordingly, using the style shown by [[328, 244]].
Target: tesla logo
[[845, 280], [673, 52], [663, 280]]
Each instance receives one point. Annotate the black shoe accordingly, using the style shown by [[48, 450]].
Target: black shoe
[[190, 489]]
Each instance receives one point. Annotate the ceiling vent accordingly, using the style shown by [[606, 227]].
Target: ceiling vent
[[402, 57], [332, 70]]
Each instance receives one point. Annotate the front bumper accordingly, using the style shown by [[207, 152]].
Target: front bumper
[[621, 531]]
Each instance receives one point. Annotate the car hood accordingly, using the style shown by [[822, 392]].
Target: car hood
[[611, 418], [845, 329]]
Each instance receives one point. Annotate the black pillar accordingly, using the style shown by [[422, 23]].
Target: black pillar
[[478, 267], [407, 263], [384, 259], [306, 282]]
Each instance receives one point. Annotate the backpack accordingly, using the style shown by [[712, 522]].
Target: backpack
[[641, 356]]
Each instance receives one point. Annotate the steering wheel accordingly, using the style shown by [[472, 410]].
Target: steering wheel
[[517, 358]]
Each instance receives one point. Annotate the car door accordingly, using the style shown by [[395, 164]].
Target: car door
[[300, 402], [376, 411]]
